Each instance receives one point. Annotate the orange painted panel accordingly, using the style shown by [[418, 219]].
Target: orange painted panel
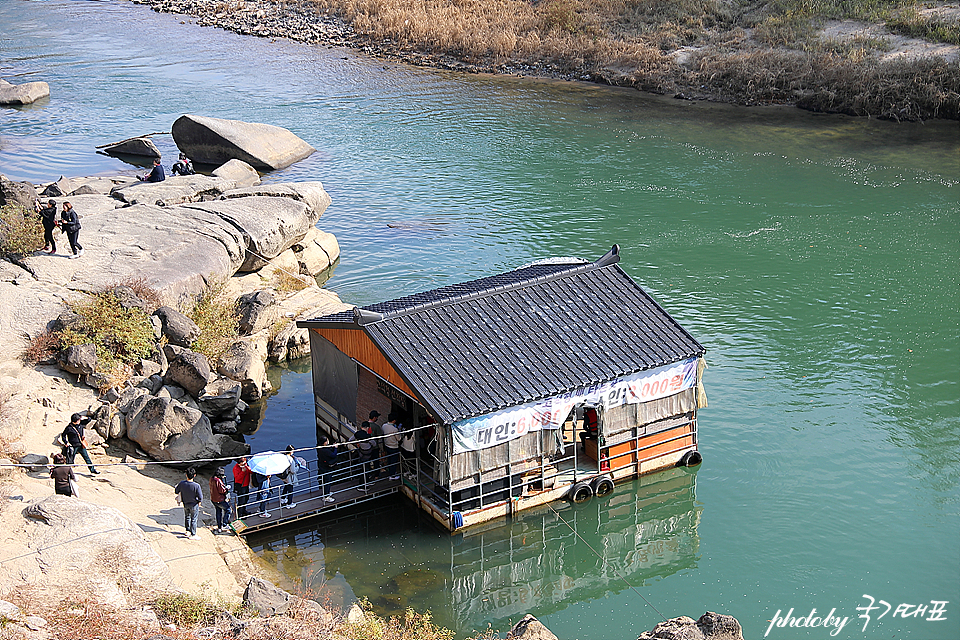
[[357, 345], [663, 437], [621, 455]]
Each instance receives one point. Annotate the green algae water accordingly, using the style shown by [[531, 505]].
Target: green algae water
[[814, 256]]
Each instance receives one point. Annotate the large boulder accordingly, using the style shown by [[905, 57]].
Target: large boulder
[[710, 626], [177, 327], [141, 146], [257, 310], [221, 397], [169, 430], [268, 600], [22, 193], [23, 93], [238, 171], [215, 140], [269, 225], [311, 194], [190, 370], [113, 559], [317, 251], [79, 359], [243, 362]]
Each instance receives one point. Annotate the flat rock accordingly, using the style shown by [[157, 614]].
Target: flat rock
[[216, 140], [317, 251], [13, 94], [173, 190], [310, 193], [140, 146]]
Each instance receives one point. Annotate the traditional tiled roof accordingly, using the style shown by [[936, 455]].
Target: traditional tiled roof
[[473, 348]]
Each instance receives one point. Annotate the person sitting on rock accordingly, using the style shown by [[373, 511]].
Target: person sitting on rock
[[183, 166], [157, 174]]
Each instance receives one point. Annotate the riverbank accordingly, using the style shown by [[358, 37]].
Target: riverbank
[[831, 62]]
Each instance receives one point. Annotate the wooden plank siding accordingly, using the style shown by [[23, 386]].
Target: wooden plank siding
[[357, 345], [664, 441]]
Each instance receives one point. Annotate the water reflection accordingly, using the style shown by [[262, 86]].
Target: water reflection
[[540, 561]]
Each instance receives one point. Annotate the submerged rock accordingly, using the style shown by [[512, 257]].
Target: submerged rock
[[216, 140]]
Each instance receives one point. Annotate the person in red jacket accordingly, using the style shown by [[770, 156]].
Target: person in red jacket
[[241, 485], [218, 496]]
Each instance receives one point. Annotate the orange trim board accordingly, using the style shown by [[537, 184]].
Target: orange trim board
[[356, 344]]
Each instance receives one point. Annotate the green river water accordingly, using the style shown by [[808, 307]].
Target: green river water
[[815, 257]]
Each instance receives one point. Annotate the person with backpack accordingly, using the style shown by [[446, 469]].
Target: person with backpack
[[183, 166], [75, 442], [289, 477]]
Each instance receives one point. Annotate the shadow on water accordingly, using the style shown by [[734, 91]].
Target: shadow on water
[[540, 561]]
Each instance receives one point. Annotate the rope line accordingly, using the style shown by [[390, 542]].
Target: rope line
[[617, 571]]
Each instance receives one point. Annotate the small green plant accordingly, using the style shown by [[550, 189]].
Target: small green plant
[[214, 313], [184, 609], [20, 230]]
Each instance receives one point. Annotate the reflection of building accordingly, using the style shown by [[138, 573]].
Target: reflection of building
[[532, 562], [500, 380], [538, 564]]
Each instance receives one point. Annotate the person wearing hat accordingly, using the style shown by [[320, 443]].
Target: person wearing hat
[[183, 166], [218, 496], [48, 217]]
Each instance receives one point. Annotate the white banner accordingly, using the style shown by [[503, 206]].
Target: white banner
[[496, 428]]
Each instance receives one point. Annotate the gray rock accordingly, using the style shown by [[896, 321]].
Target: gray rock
[[84, 190], [317, 251], [220, 397], [257, 310], [130, 397], [149, 368], [66, 320], [191, 371], [172, 352], [242, 362], [108, 422], [36, 461], [79, 359], [152, 383], [270, 225], [141, 146], [227, 428], [529, 628], [22, 193], [290, 343], [710, 626], [169, 430], [215, 141], [173, 190], [173, 391], [238, 171], [97, 380], [58, 189], [177, 327], [114, 552], [311, 194], [111, 395], [269, 600], [128, 299], [13, 94]]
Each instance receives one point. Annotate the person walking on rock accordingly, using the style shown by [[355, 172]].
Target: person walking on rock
[[156, 174], [241, 485], [48, 217], [76, 442], [70, 222], [62, 475], [189, 494], [218, 496]]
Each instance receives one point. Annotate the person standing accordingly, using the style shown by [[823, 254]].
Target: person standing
[[77, 442], [326, 462], [241, 485], [62, 475], [391, 444], [190, 495], [290, 477], [218, 496], [48, 217], [408, 451], [375, 429], [156, 174], [262, 483], [70, 222]]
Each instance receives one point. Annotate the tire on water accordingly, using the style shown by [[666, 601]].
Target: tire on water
[[602, 486], [580, 493], [690, 459]]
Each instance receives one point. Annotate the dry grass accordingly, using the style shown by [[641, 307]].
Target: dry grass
[[42, 348], [286, 282], [214, 312]]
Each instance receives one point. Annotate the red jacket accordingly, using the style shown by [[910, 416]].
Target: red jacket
[[218, 489], [241, 475]]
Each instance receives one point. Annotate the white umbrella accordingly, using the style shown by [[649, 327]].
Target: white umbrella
[[269, 463]]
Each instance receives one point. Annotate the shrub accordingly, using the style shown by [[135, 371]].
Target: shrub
[[20, 230], [184, 609], [121, 336], [412, 626], [42, 347], [215, 314]]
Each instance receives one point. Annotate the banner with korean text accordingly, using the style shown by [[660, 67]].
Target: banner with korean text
[[496, 428]]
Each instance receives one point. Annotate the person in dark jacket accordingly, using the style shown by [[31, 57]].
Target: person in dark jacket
[[48, 216], [157, 174], [183, 166], [190, 495], [70, 222], [326, 463], [76, 442], [62, 474]]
